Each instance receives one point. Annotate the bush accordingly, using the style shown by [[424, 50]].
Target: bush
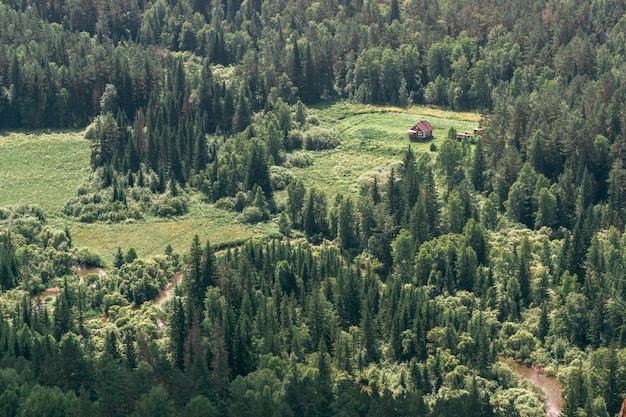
[[280, 177], [113, 299], [241, 201], [294, 139], [170, 206], [225, 203], [28, 211], [89, 258], [313, 120], [5, 213], [299, 160], [252, 215], [318, 138]]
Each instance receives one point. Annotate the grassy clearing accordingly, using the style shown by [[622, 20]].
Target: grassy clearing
[[373, 139], [44, 169], [151, 236]]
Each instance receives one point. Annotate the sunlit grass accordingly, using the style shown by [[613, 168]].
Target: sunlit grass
[[372, 140], [343, 109], [151, 236], [43, 169]]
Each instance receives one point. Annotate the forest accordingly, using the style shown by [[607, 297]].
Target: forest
[[406, 297]]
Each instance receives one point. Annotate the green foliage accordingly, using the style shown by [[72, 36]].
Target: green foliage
[[193, 103], [318, 139]]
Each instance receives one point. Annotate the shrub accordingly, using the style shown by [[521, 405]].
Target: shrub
[[241, 201], [225, 203], [170, 206], [28, 210], [252, 215], [5, 213], [89, 258], [295, 138], [280, 177], [113, 299], [83, 189], [299, 160], [318, 138], [313, 120]]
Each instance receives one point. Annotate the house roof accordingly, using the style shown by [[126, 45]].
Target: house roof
[[424, 126]]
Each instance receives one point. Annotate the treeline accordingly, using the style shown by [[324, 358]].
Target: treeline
[[463, 55]]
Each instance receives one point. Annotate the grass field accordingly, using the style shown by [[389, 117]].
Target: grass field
[[46, 169], [151, 236], [373, 139], [41, 168]]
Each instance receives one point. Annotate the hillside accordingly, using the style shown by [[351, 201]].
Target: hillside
[[259, 150]]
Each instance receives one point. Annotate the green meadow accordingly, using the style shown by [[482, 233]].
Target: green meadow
[[45, 169], [372, 140], [42, 168], [151, 236]]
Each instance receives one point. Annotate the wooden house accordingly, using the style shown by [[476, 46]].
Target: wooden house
[[464, 135], [421, 131]]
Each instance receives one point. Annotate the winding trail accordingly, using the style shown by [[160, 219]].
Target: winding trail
[[168, 291], [551, 385]]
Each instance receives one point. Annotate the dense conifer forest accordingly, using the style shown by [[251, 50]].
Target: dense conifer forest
[[406, 298]]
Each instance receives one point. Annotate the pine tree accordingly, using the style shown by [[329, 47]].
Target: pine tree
[[261, 203], [308, 215], [243, 113], [524, 274], [258, 171], [409, 180], [394, 198], [9, 266], [295, 201], [347, 227], [119, 258], [194, 274], [62, 315], [178, 330], [129, 351], [323, 383], [296, 71], [394, 11], [479, 165], [575, 391], [209, 273], [110, 345]]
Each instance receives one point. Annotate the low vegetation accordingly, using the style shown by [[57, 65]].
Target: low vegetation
[[42, 167]]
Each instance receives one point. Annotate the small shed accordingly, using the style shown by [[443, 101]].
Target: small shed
[[464, 135], [421, 131]]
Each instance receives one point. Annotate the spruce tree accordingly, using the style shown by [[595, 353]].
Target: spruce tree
[[479, 165]]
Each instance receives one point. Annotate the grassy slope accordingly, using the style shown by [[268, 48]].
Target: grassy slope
[[46, 169]]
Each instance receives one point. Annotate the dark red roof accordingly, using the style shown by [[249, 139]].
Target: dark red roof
[[425, 126]]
